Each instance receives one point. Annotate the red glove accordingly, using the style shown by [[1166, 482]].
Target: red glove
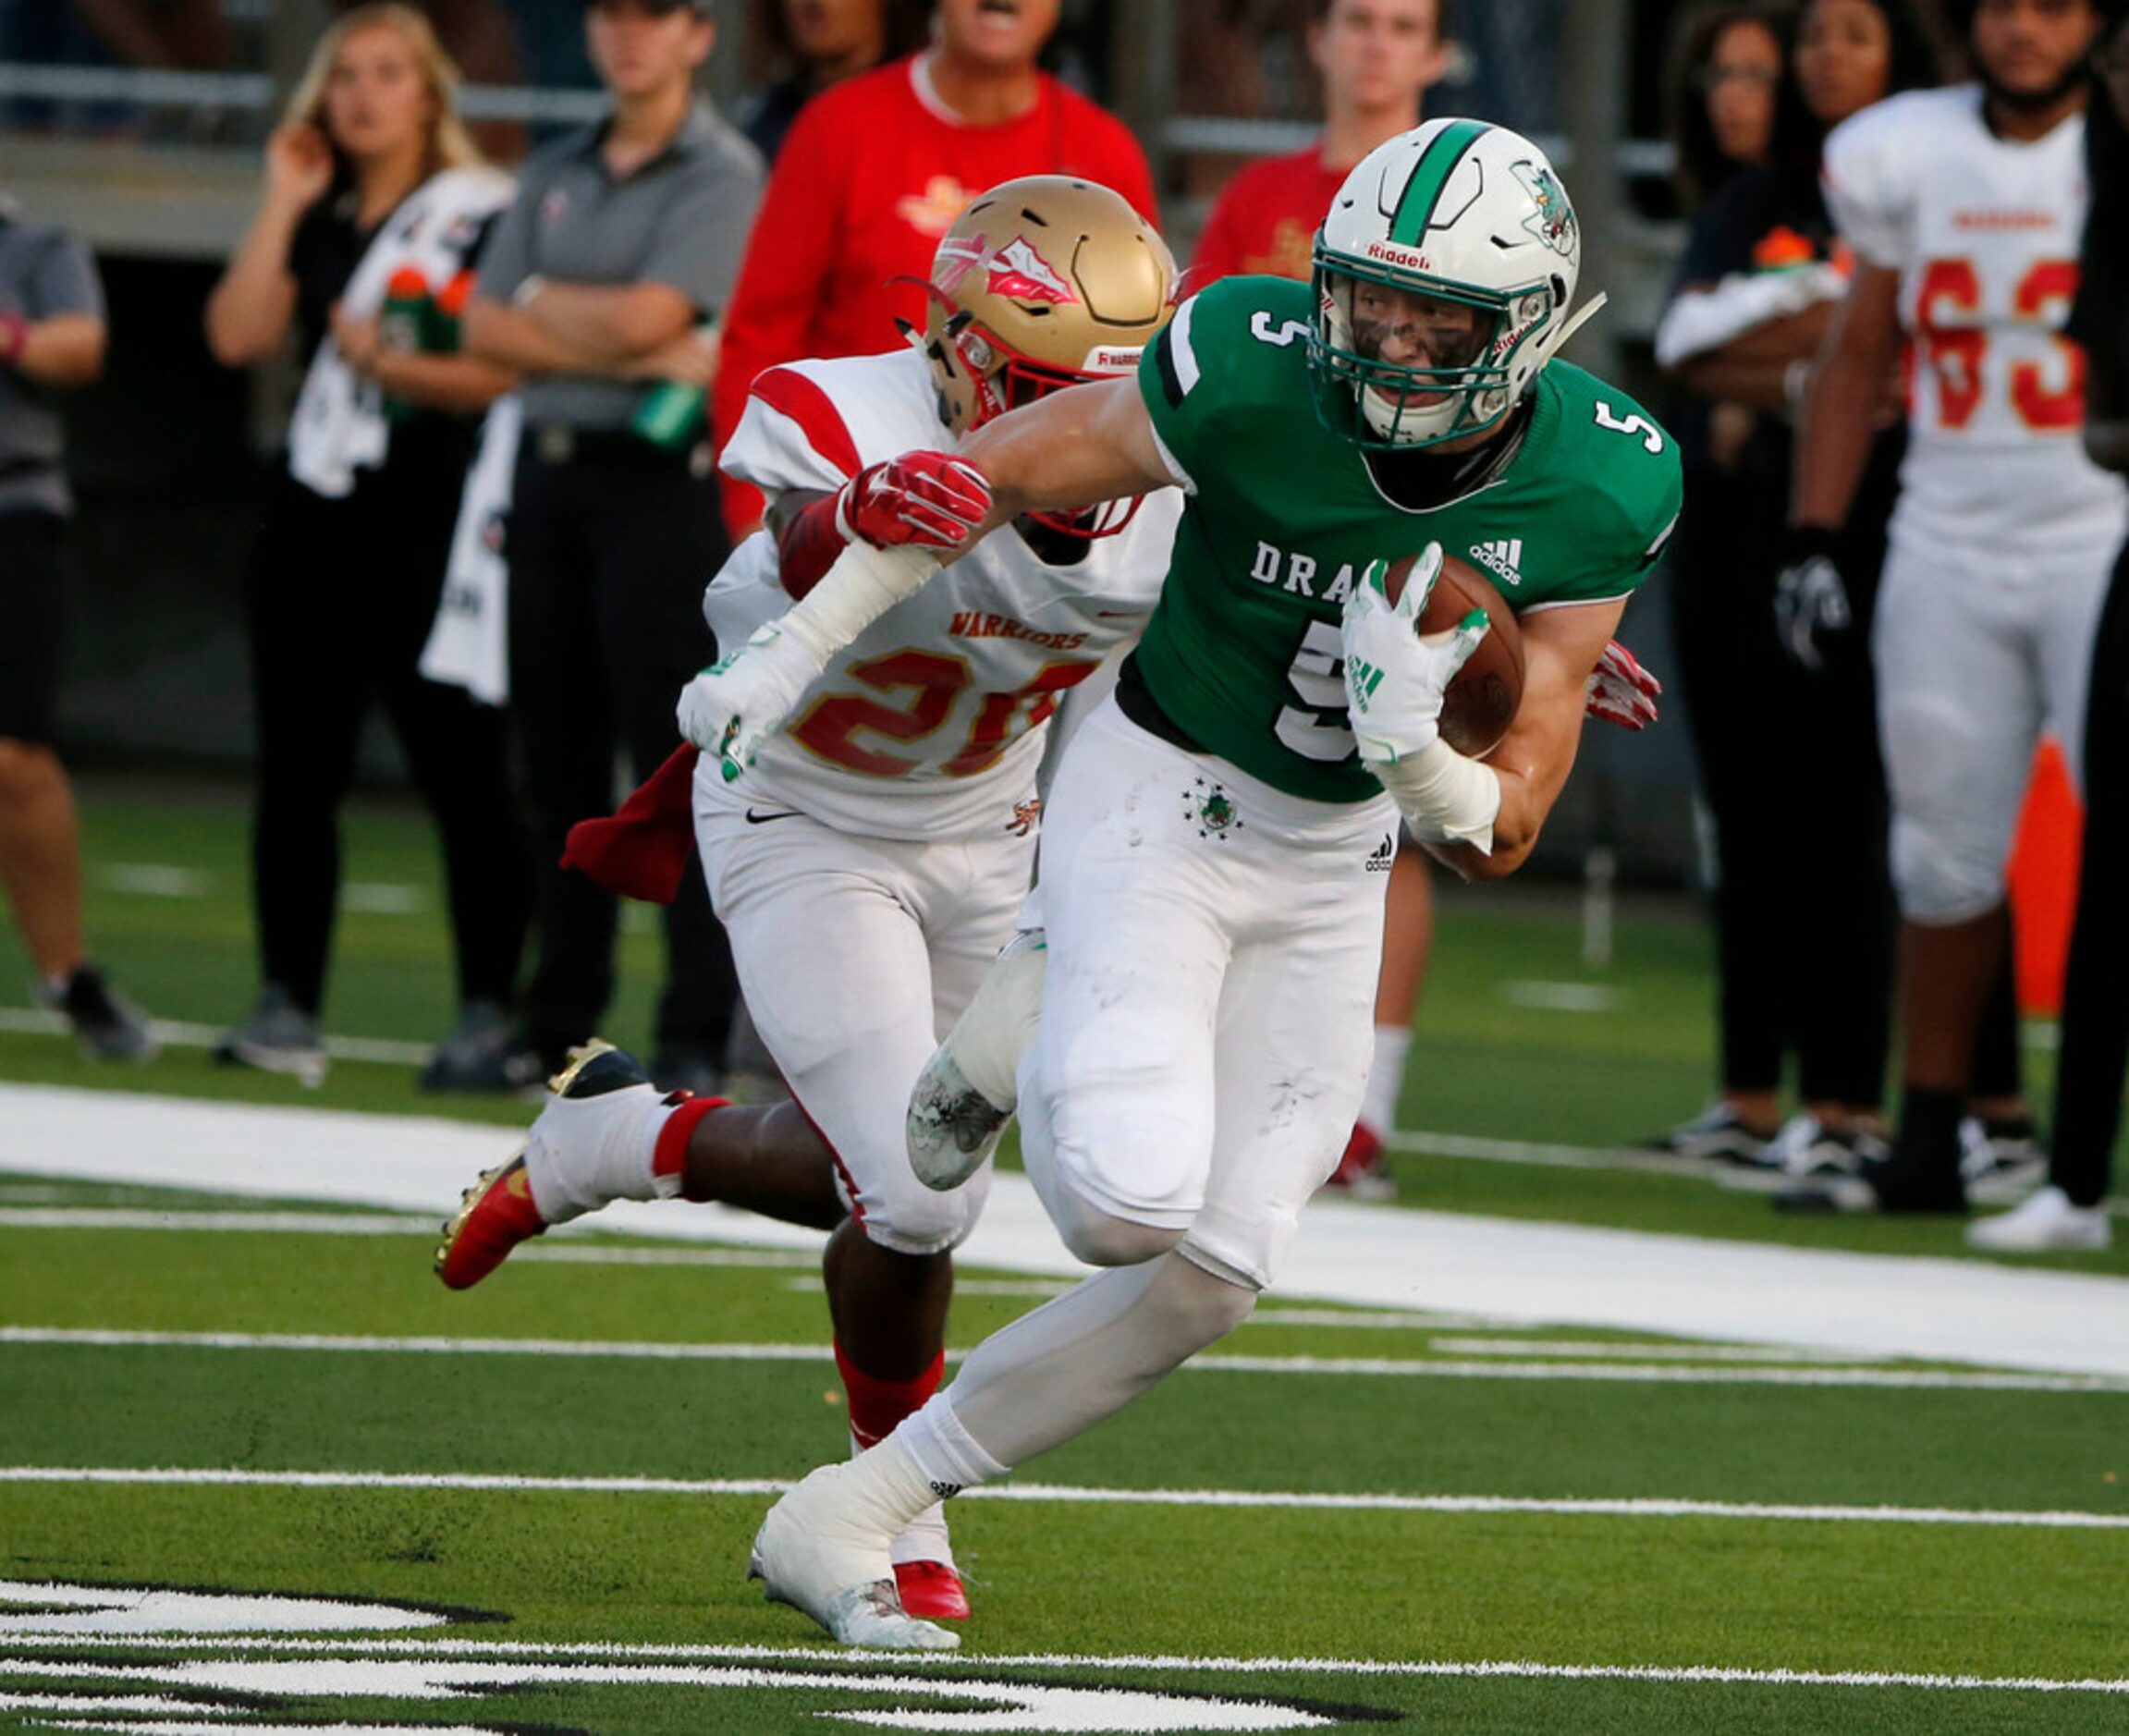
[[920, 500], [1620, 690]]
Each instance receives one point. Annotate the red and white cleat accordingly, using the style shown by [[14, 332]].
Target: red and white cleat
[[932, 1590], [498, 1214], [595, 1142]]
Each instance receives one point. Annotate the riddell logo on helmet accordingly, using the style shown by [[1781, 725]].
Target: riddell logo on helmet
[[1396, 255]]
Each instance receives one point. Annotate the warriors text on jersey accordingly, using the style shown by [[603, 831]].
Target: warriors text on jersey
[[928, 726], [1244, 651], [1984, 232]]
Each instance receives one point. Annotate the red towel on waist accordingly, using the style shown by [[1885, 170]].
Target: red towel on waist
[[643, 850]]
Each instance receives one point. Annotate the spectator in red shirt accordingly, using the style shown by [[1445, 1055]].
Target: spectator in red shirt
[[875, 170], [1378, 58]]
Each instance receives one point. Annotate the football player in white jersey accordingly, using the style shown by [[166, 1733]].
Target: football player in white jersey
[[873, 860], [1964, 207]]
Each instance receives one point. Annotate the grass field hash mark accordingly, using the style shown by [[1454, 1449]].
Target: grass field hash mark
[[93, 1338], [1067, 1494]]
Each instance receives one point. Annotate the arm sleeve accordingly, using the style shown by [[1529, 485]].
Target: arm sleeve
[[507, 256], [704, 232], [781, 281], [65, 281]]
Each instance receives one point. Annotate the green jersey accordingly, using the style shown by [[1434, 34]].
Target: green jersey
[[1243, 653]]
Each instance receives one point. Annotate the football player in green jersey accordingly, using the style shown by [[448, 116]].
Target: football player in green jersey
[[1219, 834]]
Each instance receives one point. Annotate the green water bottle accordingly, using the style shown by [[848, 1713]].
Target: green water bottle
[[403, 324], [671, 413]]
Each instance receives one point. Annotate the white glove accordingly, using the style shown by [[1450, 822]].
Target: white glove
[[739, 702], [1394, 678]]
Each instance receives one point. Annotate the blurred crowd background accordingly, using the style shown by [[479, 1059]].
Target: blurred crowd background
[[139, 124]]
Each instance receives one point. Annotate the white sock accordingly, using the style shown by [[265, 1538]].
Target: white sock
[[1385, 1078], [587, 1152], [950, 1457], [925, 1538]]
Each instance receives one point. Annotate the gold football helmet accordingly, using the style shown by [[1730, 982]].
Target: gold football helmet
[[1042, 282]]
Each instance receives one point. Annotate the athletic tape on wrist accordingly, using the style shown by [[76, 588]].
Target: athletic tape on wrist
[[1447, 798], [863, 584]]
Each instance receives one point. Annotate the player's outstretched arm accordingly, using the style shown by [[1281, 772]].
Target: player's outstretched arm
[[1561, 649], [1073, 449]]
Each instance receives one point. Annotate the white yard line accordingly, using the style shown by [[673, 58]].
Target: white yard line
[[1990, 1313], [1671, 1374], [176, 1033], [1068, 1495], [891, 1662]]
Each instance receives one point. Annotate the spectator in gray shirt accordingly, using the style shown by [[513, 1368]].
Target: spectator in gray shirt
[[52, 337], [600, 286]]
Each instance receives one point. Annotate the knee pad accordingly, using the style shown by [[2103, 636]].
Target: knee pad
[[1942, 880], [908, 1217]]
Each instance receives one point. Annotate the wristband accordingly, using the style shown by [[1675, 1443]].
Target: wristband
[[13, 338]]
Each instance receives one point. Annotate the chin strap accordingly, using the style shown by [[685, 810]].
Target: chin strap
[[1575, 321]]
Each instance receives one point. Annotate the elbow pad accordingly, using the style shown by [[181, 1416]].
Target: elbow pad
[[1445, 797]]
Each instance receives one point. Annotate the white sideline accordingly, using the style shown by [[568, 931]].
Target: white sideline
[[1625, 1507], [1966, 1311]]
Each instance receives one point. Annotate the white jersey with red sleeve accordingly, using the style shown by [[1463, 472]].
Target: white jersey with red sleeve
[[1984, 232], [930, 725]]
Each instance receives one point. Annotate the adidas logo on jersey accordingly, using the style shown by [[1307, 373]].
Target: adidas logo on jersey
[[1383, 855], [1503, 556]]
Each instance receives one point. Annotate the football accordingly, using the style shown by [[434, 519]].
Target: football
[[1481, 702]]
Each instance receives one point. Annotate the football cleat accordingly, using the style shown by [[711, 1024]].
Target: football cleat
[[822, 1553], [932, 1590], [1361, 1173], [2046, 1223], [601, 1084], [970, 1087]]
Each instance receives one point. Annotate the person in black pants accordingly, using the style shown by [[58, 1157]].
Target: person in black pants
[[1803, 913], [372, 190], [51, 339], [2093, 1061], [599, 286]]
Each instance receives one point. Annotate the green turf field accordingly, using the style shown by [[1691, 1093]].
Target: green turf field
[[375, 1506]]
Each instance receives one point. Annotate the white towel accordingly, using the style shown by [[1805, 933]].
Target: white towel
[[470, 644], [340, 425]]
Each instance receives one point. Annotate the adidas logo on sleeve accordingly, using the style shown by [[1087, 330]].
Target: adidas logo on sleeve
[[1503, 556]]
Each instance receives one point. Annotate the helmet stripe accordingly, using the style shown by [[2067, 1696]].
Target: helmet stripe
[[1444, 151]]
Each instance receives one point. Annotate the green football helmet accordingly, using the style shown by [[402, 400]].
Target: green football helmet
[[1460, 231]]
